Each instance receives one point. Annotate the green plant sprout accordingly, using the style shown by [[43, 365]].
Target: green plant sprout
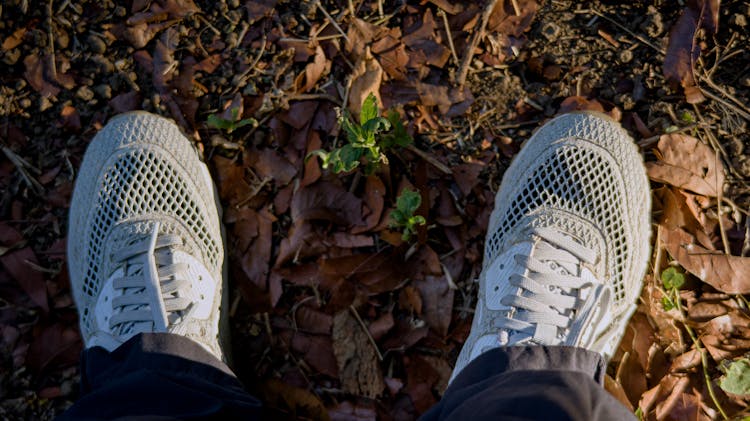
[[366, 140], [217, 122], [672, 279], [403, 216]]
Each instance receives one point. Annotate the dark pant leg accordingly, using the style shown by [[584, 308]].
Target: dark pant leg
[[159, 376], [531, 383]]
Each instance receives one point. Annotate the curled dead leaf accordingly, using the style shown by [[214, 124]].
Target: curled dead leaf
[[730, 274], [366, 79], [687, 163]]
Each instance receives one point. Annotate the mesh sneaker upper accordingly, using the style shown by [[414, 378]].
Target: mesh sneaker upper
[[138, 170], [579, 174]]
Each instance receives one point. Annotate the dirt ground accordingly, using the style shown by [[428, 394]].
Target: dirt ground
[[333, 315]]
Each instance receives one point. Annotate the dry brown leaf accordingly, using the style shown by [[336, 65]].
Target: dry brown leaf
[[316, 69], [346, 411], [326, 201], [36, 75], [14, 40], [682, 50], [687, 163], [505, 20], [359, 35], [18, 264], [374, 194], [730, 274], [366, 79]]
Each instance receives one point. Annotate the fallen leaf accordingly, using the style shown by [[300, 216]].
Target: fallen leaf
[[682, 50], [579, 103], [55, 343], [293, 400], [268, 163], [257, 9], [15, 39], [30, 280], [71, 118], [317, 351], [128, 101], [36, 75], [374, 194], [366, 79], [346, 411], [316, 69], [381, 326], [505, 20], [326, 201], [467, 176], [729, 274], [687, 163]]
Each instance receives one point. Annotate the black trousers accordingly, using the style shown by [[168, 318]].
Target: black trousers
[[164, 376]]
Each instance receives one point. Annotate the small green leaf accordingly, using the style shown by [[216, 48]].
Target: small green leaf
[[737, 377], [369, 109], [666, 303], [408, 201], [218, 123], [672, 278], [687, 117]]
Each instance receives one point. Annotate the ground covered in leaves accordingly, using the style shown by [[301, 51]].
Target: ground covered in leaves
[[336, 313]]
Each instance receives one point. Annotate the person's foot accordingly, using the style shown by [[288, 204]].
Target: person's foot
[[145, 244], [568, 241]]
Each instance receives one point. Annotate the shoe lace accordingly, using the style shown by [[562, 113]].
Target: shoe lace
[[553, 297], [152, 290]]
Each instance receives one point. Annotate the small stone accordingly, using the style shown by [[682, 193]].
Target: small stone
[[121, 64], [551, 31], [120, 11], [104, 91], [25, 103], [62, 40], [738, 20], [85, 93], [745, 81], [44, 104], [626, 56], [234, 3], [20, 84], [12, 56], [97, 44]]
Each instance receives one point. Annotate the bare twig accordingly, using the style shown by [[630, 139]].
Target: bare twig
[[463, 69], [442, 14], [367, 331], [516, 9], [331, 19], [431, 160], [738, 107], [628, 31]]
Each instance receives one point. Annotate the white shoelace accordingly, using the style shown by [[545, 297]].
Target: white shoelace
[[151, 290], [550, 302]]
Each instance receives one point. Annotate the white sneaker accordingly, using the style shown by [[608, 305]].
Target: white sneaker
[[145, 243], [568, 241]]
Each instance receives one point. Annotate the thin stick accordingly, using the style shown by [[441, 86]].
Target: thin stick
[[737, 107], [442, 13], [628, 31], [435, 163], [515, 7], [463, 69], [367, 331], [330, 19]]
